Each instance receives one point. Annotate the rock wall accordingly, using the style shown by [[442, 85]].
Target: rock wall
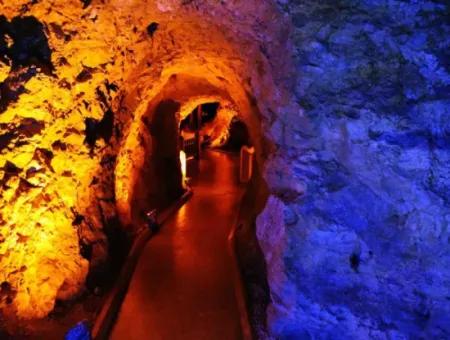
[[367, 230], [352, 136], [76, 79]]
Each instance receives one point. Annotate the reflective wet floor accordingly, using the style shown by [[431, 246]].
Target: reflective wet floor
[[183, 286]]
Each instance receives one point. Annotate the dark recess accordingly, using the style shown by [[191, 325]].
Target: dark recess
[[209, 113], [238, 137], [96, 129], [151, 29], [354, 262], [86, 3], [28, 54], [30, 45], [13, 86]]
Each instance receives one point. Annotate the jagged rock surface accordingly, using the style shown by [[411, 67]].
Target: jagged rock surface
[[77, 90], [368, 240], [355, 134]]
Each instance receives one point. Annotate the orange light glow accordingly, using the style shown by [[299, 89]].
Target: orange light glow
[[56, 192], [183, 167]]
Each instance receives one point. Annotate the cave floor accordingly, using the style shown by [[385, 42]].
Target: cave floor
[[183, 285]]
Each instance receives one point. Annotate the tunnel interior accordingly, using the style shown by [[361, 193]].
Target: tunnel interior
[[161, 177], [208, 114], [213, 133], [167, 122], [115, 105]]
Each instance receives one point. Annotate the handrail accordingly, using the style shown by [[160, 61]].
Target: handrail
[[239, 284], [108, 314]]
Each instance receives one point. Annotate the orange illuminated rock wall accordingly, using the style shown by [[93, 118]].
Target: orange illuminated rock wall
[[62, 193]]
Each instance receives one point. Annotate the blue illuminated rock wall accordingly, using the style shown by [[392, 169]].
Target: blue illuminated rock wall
[[367, 244]]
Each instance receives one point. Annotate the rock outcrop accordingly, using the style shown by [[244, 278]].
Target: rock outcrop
[[366, 256]]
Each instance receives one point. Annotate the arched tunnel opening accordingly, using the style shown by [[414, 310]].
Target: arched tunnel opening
[[186, 108], [173, 133], [187, 115], [125, 121]]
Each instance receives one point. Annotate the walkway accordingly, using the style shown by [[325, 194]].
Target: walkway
[[183, 286]]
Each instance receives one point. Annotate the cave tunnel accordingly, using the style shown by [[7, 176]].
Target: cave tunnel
[[124, 129], [99, 133], [213, 133], [167, 127], [193, 121]]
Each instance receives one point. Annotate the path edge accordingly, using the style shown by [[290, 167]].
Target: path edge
[[240, 290], [105, 320]]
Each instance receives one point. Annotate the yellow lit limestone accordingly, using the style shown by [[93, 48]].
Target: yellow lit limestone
[[45, 171], [61, 196]]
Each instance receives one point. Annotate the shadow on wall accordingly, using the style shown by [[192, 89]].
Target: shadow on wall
[[160, 179], [238, 136]]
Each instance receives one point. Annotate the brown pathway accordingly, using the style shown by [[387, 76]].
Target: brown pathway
[[183, 286]]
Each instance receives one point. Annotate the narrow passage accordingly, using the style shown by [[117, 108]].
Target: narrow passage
[[183, 286]]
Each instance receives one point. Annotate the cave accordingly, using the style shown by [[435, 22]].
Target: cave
[[224, 169]]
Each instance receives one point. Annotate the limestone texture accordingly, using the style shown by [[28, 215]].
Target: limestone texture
[[80, 83], [347, 104], [367, 248]]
